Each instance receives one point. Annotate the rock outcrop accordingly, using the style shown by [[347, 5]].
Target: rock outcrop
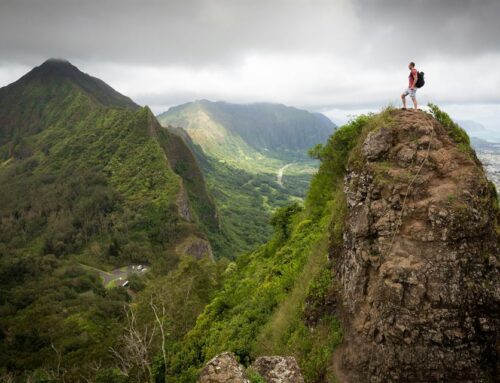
[[278, 369], [196, 247], [224, 368], [419, 265]]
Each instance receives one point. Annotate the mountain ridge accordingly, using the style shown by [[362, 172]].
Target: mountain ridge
[[260, 125], [90, 182]]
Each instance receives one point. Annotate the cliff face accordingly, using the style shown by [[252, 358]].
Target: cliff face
[[419, 264]]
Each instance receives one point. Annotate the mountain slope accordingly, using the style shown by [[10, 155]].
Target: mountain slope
[[87, 178], [50, 86], [331, 290], [263, 133]]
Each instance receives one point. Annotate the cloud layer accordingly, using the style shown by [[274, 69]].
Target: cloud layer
[[320, 54]]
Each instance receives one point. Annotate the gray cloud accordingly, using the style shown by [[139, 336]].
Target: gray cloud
[[188, 32], [197, 32], [322, 54], [429, 27]]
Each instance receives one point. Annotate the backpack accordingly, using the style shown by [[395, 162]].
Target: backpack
[[420, 80]]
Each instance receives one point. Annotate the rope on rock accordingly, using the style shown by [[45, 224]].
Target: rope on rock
[[399, 222]]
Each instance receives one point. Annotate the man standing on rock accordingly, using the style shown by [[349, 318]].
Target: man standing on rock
[[412, 88]]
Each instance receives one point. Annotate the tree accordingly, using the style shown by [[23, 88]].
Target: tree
[[135, 354]]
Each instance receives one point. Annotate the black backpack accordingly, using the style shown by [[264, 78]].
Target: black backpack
[[420, 80]]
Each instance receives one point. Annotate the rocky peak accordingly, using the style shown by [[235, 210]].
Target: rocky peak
[[419, 264]]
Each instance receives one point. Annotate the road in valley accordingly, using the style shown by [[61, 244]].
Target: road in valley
[[279, 177]]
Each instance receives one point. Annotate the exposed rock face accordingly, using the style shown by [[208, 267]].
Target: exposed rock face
[[223, 369], [273, 369], [195, 247], [278, 369], [183, 205], [420, 281]]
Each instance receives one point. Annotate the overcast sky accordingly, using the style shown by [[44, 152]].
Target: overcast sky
[[341, 57]]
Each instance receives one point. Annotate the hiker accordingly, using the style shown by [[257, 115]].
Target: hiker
[[412, 86]]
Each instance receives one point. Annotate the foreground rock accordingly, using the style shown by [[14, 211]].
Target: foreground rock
[[224, 368], [419, 273], [278, 369]]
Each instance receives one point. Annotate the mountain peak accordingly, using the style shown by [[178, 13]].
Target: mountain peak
[[419, 212], [56, 66], [56, 61], [56, 69]]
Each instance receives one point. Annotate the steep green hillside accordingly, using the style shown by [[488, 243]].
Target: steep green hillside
[[277, 300], [254, 158], [87, 178]]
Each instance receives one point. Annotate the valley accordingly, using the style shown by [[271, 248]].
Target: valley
[[243, 151]]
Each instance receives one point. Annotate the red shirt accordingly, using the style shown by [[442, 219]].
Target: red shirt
[[411, 77]]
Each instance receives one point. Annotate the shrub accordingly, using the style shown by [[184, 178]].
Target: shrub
[[457, 134]]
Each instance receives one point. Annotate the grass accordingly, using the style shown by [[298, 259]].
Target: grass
[[457, 134], [254, 376], [286, 333]]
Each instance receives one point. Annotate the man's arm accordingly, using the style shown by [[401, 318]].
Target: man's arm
[[415, 78]]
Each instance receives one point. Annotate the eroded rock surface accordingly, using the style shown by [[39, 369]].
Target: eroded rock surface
[[196, 247], [224, 368], [278, 369], [419, 267]]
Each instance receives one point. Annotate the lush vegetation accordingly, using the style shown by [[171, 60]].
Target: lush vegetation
[[89, 179], [456, 133], [275, 299], [245, 202]]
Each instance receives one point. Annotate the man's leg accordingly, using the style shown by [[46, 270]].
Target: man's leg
[[403, 98], [414, 99]]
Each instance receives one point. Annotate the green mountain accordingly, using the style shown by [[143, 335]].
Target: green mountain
[[254, 158], [90, 182], [254, 137]]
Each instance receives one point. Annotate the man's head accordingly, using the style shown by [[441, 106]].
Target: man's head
[[411, 65]]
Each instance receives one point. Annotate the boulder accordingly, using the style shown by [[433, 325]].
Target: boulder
[[377, 143], [224, 368], [278, 369]]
